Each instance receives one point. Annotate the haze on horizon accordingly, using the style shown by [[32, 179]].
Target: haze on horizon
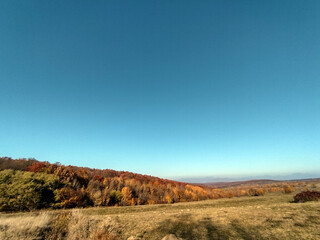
[[165, 88]]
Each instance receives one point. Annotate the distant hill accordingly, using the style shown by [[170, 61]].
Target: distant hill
[[208, 179], [240, 183]]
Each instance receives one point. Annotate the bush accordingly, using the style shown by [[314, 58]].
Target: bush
[[288, 189], [26, 191], [69, 198], [114, 197], [307, 196], [256, 192]]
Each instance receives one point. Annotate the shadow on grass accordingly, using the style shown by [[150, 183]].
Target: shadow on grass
[[187, 228], [309, 222], [247, 232]]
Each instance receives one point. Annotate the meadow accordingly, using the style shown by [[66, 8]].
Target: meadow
[[272, 216]]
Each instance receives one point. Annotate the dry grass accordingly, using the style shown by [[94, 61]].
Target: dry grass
[[24, 226], [90, 227], [273, 216], [267, 217]]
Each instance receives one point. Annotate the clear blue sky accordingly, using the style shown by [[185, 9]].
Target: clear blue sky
[[166, 88]]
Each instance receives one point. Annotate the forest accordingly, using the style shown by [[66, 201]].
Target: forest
[[28, 184]]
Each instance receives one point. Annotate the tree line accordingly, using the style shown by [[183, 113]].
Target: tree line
[[27, 184]]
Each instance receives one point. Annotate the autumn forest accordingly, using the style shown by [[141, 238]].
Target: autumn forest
[[28, 184]]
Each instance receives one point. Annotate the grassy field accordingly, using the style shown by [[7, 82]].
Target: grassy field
[[273, 216]]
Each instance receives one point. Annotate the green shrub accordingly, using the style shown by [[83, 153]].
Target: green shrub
[[26, 191]]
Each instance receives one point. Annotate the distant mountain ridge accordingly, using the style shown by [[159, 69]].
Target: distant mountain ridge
[[205, 180]]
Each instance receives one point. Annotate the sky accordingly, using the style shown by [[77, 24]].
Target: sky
[[165, 88]]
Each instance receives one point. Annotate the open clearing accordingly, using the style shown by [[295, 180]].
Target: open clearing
[[273, 216]]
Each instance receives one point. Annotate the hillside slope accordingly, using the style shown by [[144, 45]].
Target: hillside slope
[[71, 186], [28, 184]]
